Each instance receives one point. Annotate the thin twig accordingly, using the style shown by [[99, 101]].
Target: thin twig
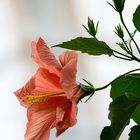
[[121, 17], [97, 89]]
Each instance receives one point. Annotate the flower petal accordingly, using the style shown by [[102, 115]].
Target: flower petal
[[60, 127], [47, 82], [43, 56], [70, 115], [67, 120], [43, 116], [67, 56], [40, 121], [59, 114], [25, 90], [68, 72], [76, 94], [39, 87]]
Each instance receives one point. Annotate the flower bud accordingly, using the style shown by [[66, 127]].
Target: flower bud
[[92, 30], [118, 5], [119, 31], [122, 46], [88, 90]]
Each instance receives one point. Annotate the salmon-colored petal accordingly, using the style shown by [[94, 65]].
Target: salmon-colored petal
[[70, 115], [39, 87], [44, 116], [68, 73], [25, 90], [67, 56], [51, 103], [43, 56], [67, 120], [61, 129], [60, 126], [59, 115], [47, 82], [40, 121], [68, 76], [77, 93]]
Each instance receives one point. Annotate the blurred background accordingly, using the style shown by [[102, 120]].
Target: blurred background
[[22, 21]]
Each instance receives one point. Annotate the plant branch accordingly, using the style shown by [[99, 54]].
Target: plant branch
[[121, 17], [128, 50], [129, 59], [131, 40], [121, 54], [97, 89], [131, 53]]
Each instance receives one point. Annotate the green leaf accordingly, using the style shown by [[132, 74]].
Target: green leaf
[[136, 115], [121, 110], [126, 84], [135, 133], [136, 18], [91, 46]]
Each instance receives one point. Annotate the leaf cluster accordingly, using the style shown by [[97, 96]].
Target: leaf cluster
[[125, 92]]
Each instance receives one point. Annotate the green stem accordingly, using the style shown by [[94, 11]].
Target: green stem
[[131, 53], [121, 54], [121, 17], [128, 59], [131, 40], [97, 89], [128, 50], [135, 58]]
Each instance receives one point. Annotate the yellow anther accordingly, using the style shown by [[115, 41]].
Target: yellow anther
[[36, 98]]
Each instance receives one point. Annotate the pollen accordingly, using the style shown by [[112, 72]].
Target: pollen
[[31, 99]]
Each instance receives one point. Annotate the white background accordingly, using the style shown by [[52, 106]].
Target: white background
[[22, 21]]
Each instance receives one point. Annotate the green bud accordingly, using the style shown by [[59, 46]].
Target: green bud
[[91, 29], [118, 5], [119, 31], [122, 46], [88, 90]]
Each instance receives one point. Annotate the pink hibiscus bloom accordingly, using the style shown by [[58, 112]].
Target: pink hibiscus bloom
[[52, 94]]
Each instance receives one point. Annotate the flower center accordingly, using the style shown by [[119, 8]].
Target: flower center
[[38, 97]]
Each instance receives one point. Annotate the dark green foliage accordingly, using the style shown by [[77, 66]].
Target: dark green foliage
[[91, 46], [126, 84], [121, 110], [125, 92], [135, 133], [136, 18]]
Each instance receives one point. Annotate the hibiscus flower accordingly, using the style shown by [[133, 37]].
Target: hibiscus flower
[[52, 94]]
